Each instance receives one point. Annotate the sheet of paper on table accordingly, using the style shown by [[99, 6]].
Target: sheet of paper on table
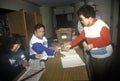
[[71, 59]]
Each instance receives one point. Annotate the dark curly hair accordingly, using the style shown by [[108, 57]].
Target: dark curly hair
[[87, 11], [8, 42], [15, 39], [38, 26]]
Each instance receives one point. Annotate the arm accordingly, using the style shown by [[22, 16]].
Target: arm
[[75, 41], [34, 56], [39, 48], [104, 39], [49, 44], [78, 39]]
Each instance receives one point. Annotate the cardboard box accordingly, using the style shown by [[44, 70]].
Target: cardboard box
[[64, 35]]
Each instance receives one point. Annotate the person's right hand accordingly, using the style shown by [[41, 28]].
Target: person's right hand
[[58, 54], [25, 64], [67, 47]]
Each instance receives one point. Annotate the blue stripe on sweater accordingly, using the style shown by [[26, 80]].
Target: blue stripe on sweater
[[99, 51], [39, 48]]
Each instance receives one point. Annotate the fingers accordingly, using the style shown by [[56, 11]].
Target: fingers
[[67, 47], [89, 46], [62, 55], [59, 54], [24, 64], [37, 56]]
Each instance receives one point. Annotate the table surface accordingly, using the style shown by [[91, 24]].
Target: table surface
[[55, 72]]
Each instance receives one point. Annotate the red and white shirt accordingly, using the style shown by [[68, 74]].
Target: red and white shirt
[[97, 33]]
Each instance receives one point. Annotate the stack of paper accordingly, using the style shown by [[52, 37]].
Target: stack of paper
[[33, 72], [71, 59]]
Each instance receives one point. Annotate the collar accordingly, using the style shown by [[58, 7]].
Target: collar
[[38, 37], [94, 20]]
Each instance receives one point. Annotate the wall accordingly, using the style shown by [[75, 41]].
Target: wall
[[108, 10], [104, 9], [17, 5], [114, 20], [76, 7], [46, 13], [63, 10]]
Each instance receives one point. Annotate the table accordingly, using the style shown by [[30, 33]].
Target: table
[[55, 72]]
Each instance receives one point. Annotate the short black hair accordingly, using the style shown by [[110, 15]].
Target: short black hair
[[87, 11], [38, 26], [9, 42], [15, 39]]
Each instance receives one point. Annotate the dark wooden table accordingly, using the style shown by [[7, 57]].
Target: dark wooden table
[[55, 72]]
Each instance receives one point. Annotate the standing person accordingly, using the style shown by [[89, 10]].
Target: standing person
[[80, 28], [97, 34], [39, 44]]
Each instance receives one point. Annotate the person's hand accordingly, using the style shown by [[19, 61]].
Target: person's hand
[[37, 56], [58, 54], [67, 47], [89, 46], [55, 44], [25, 64]]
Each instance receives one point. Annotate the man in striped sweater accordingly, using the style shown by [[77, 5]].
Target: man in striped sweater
[[97, 34]]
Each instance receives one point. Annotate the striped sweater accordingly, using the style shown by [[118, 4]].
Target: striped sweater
[[40, 46], [97, 34]]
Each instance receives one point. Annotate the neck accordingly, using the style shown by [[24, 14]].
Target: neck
[[91, 21]]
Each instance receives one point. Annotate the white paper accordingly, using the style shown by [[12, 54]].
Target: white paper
[[32, 69], [71, 59]]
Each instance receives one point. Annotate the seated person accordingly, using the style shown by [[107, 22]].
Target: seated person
[[13, 59], [18, 56], [39, 44]]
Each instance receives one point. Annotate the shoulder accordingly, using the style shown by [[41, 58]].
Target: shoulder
[[100, 23], [34, 39], [19, 52]]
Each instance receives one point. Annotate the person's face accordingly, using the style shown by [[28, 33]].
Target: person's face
[[84, 21], [15, 47], [40, 32]]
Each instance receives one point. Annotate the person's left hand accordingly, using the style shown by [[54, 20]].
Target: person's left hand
[[37, 56], [89, 46]]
